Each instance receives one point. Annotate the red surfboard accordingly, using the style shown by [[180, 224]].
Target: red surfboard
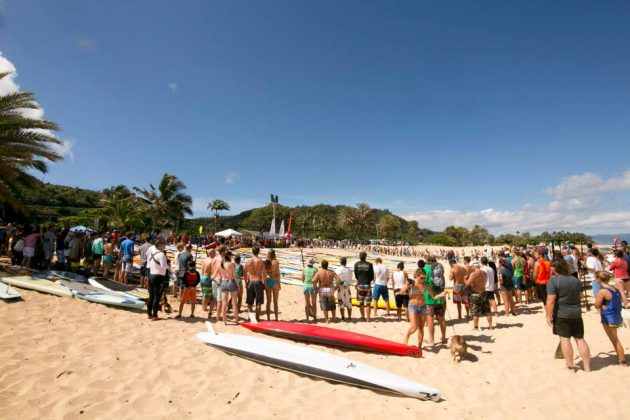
[[332, 337]]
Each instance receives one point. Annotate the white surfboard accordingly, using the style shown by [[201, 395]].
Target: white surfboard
[[39, 285], [8, 293], [316, 363], [96, 295]]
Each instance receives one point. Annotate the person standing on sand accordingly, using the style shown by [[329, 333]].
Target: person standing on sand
[[479, 305], [272, 289], [417, 308], [400, 280], [229, 287], [608, 301], [542, 274], [364, 273], [126, 254], [157, 265], [326, 282], [344, 297], [435, 306], [490, 286], [506, 287], [184, 258], [310, 296], [460, 293], [189, 289], [254, 274], [381, 278], [108, 256], [238, 270], [518, 278], [593, 265], [215, 265], [619, 267], [564, 313], [206, 283]]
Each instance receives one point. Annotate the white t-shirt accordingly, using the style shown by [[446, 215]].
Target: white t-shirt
[[156, 263], [593, 263], [381, 274], [345, 275], [489, 277], [399, 279]]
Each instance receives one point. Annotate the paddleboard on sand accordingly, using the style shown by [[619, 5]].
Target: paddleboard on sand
[[315, 363], [96, 295], [331, 337], [8, 293], [381, 303], [131, 291], [67, 275], [39, 285]]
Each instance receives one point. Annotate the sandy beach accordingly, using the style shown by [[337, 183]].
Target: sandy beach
[[67, 358]]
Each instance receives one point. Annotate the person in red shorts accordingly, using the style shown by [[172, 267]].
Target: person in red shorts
[[189, 289]]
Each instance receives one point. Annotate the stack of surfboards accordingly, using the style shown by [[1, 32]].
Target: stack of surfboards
[[98, 295], [315, 363]]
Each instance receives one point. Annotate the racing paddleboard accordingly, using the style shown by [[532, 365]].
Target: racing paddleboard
[[331, 337], [131, 291], [8, 293], [315, 363]]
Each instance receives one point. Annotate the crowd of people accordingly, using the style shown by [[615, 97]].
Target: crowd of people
[[482, 280]]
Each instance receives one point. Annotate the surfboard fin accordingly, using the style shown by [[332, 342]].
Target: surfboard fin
[[252, 317], [210, 328]]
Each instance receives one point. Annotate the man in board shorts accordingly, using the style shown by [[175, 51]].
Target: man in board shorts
[[364, 273], [254, 272]]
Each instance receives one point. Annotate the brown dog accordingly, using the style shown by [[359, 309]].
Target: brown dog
[[459, 350]]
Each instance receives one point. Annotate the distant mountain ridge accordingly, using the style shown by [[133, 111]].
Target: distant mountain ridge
[[607, 238]]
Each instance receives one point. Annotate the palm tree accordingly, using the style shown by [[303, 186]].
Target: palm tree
[[168, 201], [25, 145], [216, 206], [121, 208]]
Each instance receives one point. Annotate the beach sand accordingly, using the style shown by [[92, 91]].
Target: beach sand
[[68, 358]]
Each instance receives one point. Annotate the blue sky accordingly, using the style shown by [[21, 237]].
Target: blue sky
[[442, 111]]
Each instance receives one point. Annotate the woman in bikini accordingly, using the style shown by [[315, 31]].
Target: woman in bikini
[[608, 301], [229, 287], [272, 287], [416, 309]]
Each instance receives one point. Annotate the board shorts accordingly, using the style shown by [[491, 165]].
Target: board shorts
[[518, 283], [189, 294], [435, 310], [380, 290], [364, 294], [309, 290], [48, 253], [568, 327], [107, 259], [415, 309], [460, 294], [216, 290], [529, 283], [327, 299], [29, 252], [479, 304], [228, 286], [206, 287], [506, 287], [97, 257], [143, 269], [344, 298], [255, 293], [489, 295], [402, 301], [127, 263]]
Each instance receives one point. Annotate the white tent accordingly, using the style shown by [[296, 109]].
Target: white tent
[[227, 233]]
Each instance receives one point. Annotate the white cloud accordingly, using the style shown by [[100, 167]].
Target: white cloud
[[85, 43], [9, 85], [582, 203], [172, 86], [232, 177]]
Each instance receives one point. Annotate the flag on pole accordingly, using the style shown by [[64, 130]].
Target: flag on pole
[[200, 229], [289, 227], [281, 232]]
